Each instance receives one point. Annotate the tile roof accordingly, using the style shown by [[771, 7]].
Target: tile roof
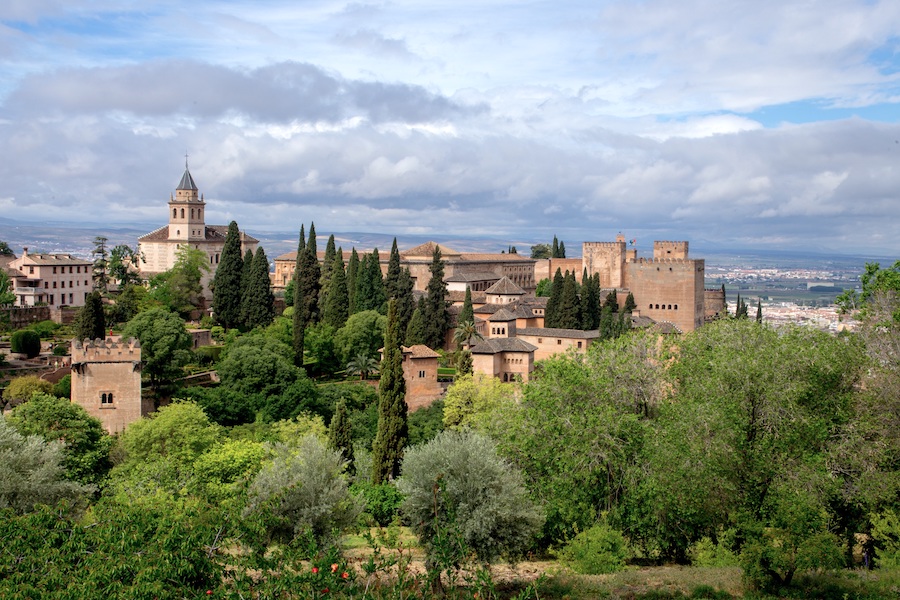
[[576, 334], [494, 257], [502, 315], [214, 233], [460, 296], [505, 287], [420, 351], [187, 182], [497, 345], [53, 260], [473, 276], [427, 250]]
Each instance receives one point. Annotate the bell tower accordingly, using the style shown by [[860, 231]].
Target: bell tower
[[186, 207]]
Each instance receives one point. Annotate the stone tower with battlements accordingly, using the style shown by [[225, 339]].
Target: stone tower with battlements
[[106, 381]]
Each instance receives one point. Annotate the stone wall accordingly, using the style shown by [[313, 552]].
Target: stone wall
[[669, 290], [713, 303], [607, 259]]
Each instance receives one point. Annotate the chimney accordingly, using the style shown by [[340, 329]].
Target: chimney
[[24, 250]]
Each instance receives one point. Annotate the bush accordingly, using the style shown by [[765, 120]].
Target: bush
[[598, 550], [382, 502], [458, 483], [61, 349], [706, 553], [45, 329], [26, 342], [886, 533], [23, 388]]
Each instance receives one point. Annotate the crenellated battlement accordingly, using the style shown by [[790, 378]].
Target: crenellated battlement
[[603, 244], [670, 249], [669, 261], [105, 350]]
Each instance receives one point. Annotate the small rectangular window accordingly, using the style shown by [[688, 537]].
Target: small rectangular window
[[54, 270]]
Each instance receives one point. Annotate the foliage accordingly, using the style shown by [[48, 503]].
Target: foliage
[[458, 478], [340, 435], [387, 450], [179, 432], [131, 299], [7, 296], [415, 329], [258, 302], [180, 289], [873, 281], [227, 283], [362, 334], [541, 251], [224, 406], [32, 472], [303, 491], [352, 274], [381, 502], [436, 314], [45, 329], [886, 534], [466, 314], [706, 552], [370, 292], [27, 342], [122, 265], [596, 551], [63, 388], [543, 288], [90, 324], [321, 350], [551, 312], [165, 343], [337, 302], [426, 423], [85, 443], [100, 268], [568, 311], [472, 400], [306, 291], [23, 388], [362, 365]]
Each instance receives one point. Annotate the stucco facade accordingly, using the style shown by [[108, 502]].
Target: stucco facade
[[51, 279]]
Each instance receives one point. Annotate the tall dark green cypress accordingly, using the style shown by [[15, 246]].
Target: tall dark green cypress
[[327, 267], [91, 322], [387, 449], [337, 303], [392, 279], [437, 313], [259, 302], [245, 281], [306, 292], [299, 324], [415, 329], [406, 301], [340, 434], [227, 285], [630, 304], [562, 249], [568, 313], [373, 284], [554, 249], [467, 314], [551, 317], [590, 302], [759, 310], [352, 275], [612, 301]]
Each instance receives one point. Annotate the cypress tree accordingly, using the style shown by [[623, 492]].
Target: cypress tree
[[568, 314], [630, 304], [337, 304], [259, 302], [387, 449], [352, 274], [562, 250], [227, 285], [607, 323], [554, 249], [406, 302], [247, 267], [590, 302], [467, 313], [556, 288], [612, 301], [415, 330], [306, 293], [340, 435], [759, 310], [91, 323], [375, 281], [392, 279], [299, 326], [327, 267], [436, 314]]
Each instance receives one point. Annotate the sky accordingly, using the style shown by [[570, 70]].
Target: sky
[[766, 124]]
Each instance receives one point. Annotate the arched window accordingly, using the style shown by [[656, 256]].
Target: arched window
[[657, 306], [182, 213], [676, 307], [192, 213], [174, 213]]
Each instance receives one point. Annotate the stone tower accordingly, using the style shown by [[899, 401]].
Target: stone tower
[[106, 381], [186, 220]]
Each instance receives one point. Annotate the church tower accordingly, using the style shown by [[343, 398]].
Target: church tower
[[186, 221]]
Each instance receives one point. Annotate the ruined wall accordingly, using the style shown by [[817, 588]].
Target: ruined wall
[[669, 290], [607, 259], [106, 381]]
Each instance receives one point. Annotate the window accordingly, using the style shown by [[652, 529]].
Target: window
[[579, 344], [46, 284], [192, 213], [54, 270], [54, 285], [70, 299], [676, 307], [559, 342], [182, 213], [540, 340], [51, 298], [421, 374], [174, 213], [78, 269], [106, 399]]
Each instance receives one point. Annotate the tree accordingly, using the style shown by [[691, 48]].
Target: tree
[[415, 330], [590, 301], [630, 304], [740, 311], [464, 333], [406, 302], [258, 308], [165, 343], [337, 303], [303, 492], [551, 312], [562, 249], [21, 389], [874, 280], [7, 296], [759, 318], [543, 288], [85, 443], [392, 279], [612, 301], [181, 288], [179, 432], [387, 450], [90, 324], [541, 251], [25, 341], [352, 274], [370, 292], [5, 250], [473, 399], [327, 270], [362, 364], [457, 486], [467, 313], [32, 472], [554, 249], [362, 334], [100, 269], [122, 261], [227, 283], [306, 292], [258, 367], [436, 314], [340, 435], [321, 349], [568, 313]]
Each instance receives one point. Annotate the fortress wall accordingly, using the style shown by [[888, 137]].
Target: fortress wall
[[607, 259], [106, 381], [669, 290], [713, 303], [665, 249]]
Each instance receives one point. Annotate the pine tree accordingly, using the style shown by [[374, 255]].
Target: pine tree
[[258, 306], [298, 323], [562, 250], [227, 285], [436, 314], [340, 435], [568, 313], [392, 279], [551, 311], [466, 314], [91, 322], [554, 249], [337, 304], [387, 449], [352, 274], [415, 330], [100, 269]]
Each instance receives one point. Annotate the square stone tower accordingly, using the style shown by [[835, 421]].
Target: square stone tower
[[106, 381]]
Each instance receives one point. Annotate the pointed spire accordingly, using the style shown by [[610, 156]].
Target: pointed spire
[[187, 182]]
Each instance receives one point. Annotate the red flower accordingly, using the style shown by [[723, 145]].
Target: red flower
[[315, 570], [325, 591], [334, 567], [345, 575], [209, 592]]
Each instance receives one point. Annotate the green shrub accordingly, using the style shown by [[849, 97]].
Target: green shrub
[[886, 533], [26, 342], [706, 553], [382, 502], [598, 550], [61, 349], [45, 329], [63, 388]]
